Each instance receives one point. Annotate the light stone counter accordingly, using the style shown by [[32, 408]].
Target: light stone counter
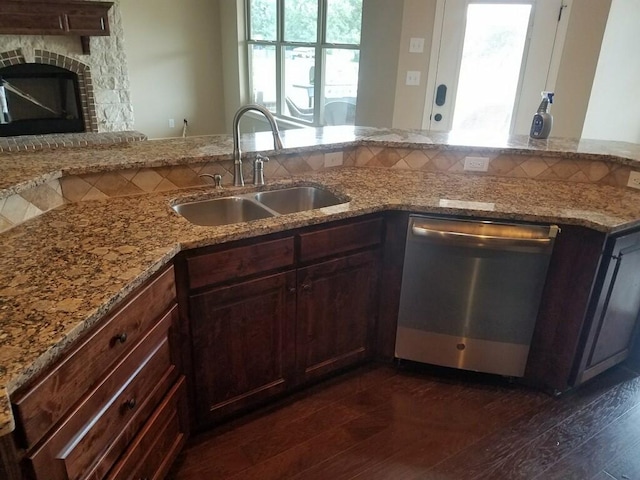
[[61, 272]]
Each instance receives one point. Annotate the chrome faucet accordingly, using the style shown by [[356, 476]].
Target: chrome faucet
[[238, 178]]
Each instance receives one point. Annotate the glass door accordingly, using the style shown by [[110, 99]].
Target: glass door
[[491, 60]]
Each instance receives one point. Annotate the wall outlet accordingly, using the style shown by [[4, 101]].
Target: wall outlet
[[634, 180], [333, 159], [413, 78], [476, 164], [172, 123]]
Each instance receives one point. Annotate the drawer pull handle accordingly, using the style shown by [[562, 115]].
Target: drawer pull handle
[[130, 404], [121, 337]]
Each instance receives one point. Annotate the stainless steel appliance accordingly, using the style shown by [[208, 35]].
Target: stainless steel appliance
[[471, 291]]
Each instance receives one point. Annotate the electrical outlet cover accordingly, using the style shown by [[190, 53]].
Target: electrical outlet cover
[[333, 159], [634, 180], [476, 164]]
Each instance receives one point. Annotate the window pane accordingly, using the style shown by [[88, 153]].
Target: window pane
[[494, 42], [264, 17], [300, 20], [340, 86], [344, 20], [262, 65], [299, 71]]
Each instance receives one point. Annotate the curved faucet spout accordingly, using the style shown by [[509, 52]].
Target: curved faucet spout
[[238, 178]]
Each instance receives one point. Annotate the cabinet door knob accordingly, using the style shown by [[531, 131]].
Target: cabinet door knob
[[292, 290], [306, 287], [130, 404], [121, 337]]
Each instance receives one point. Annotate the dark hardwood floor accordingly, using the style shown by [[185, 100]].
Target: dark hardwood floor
[[381, 422]]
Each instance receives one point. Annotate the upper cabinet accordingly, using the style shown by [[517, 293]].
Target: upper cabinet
[[55, 17]]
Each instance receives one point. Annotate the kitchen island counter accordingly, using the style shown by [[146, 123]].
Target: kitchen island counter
[[64, 270]]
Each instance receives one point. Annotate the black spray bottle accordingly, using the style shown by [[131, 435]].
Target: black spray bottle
[[542, 120]]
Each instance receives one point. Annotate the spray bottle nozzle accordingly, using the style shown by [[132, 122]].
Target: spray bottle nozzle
[[548, 96]]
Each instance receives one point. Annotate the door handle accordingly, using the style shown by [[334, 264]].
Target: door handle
[[441, 95]]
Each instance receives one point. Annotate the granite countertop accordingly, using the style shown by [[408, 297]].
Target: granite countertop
[[62, 271], [23, 170]]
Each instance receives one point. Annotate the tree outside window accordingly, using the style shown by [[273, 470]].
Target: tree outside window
[[304, 57]]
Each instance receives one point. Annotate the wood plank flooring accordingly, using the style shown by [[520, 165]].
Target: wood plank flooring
[[380, 422]]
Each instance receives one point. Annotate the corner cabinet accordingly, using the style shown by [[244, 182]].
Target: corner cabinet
[[269, 314], [614, 309], [337, 306], [114, 406]]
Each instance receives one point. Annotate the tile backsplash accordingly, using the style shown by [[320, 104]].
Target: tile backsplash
[[18, 208], [95, 186], [520, 166]]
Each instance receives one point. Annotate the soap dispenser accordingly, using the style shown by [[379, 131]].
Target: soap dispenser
[[542, 120]]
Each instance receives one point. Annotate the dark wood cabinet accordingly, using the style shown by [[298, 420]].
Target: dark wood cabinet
[[91, 409], [336, 313], [242, 341], [272, 313], [614, 309]]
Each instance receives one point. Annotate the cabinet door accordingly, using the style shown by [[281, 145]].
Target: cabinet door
[[242, 340], [616, 309], [336, 313]]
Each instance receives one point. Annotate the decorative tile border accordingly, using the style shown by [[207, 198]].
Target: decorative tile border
[[23, 206], [18, 208], [96, 186], [520, 166], [56, 140]]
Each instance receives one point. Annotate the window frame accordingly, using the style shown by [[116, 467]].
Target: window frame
[[320, 46]]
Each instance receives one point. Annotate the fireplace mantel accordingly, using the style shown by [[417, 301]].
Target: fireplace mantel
[[55, 17]]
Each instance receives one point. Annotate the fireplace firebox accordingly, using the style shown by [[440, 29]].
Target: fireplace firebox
[[39, 99]]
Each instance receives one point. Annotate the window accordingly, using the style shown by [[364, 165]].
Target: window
[[304, 57]]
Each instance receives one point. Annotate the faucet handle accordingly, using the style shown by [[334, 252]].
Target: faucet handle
[[217, 178], [258, 169], [261, 158]]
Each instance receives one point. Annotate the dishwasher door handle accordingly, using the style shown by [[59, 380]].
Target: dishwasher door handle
[[475, 240]]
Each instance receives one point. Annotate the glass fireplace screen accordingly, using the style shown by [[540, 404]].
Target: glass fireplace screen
[[38, 99]]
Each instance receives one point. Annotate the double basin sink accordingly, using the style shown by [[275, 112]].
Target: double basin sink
[[254, 206]]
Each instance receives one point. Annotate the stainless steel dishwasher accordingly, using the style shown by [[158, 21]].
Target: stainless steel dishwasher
[[471, 291]]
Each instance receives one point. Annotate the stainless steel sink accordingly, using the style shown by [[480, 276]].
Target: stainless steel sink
[[254, 206], [297, 199], [222, 211]]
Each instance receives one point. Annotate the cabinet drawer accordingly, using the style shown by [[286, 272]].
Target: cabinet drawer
[[233, 263], [84, 437], [340, 239], [39, 407], [159, 442], [27, 23], [93, 24]]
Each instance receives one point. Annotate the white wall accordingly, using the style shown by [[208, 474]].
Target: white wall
[[381, 29], [578, 66], [174, 55], [417, 21], [614, 109]]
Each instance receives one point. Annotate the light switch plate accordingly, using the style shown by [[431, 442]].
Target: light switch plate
[[416, 45], [413, 78]]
